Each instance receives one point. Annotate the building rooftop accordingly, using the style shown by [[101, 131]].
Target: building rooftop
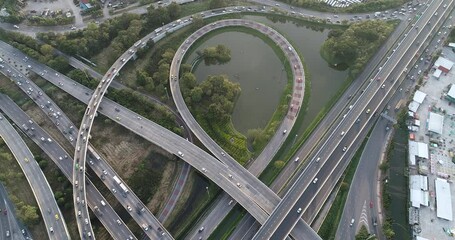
[[443, 199], [435, 123]]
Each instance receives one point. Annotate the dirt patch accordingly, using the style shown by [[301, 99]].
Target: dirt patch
[[165, 188]]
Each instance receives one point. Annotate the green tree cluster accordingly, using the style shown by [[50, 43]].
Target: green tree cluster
[[355, 45], [160, 78], [157, 17], [214, 97], [387, 229], [94, 38], [216, 55], [26, 213], [83, 78]]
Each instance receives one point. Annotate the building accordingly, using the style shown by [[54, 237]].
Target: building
[[417, 150], [443, 199], [418, 99], [437, 73], [418, 185], [451, 94], [84, 4], [443, 64], [435, 123]]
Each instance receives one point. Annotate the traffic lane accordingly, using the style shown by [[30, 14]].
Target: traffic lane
[[363, 185], [290, 168], [43, 193], [176, 91], [54, 156], [211, 166]]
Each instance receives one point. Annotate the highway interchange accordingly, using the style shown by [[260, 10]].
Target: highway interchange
[[250, 177]]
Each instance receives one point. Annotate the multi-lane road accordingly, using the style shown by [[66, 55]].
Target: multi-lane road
[[348, 130], [53, 219], [363, 202], [107, 216], [97, 163], [87, 141]]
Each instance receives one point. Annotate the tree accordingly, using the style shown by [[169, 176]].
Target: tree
[[47, 50], [362, 234], [28, 214], [174, 10], [196, 94], [217, 4]]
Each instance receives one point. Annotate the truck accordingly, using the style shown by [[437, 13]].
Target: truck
[[377, 14], [138, 43], [117, 180], [123, 187], [158, 30]]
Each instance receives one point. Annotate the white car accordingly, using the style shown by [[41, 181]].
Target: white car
[[299, 210], [315, 180]]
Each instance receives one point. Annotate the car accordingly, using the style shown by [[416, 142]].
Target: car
[[371, 204], [16, 27], [318, 159], [204, 169], [299, 210], [26, 159], [375, 221], [7, 233], [368, 111], [57, 217], [180, 154], [296, 159], [342, 133], [86, 221], [79, 214], [315, 180], [383, 86], [352, 222], [129, 208], [114, 191], [51, 229], [345, 148], [285, 131], [118, 222]]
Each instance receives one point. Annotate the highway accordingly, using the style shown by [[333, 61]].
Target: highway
[[9, 223], [338, 140], [281, 134], [97, 163], [363, 197], [107, 216], [53, 218], [168, 141]]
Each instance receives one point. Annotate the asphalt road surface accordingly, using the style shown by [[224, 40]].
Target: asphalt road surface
[[343, 134], [53, 219], [106, 215]]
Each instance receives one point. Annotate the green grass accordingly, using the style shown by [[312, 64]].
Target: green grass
[[227, 226], [330, 224], [204, 203]]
